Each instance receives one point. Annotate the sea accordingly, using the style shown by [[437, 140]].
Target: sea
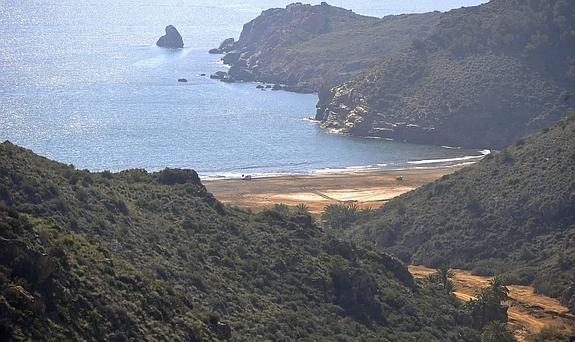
[[82, 82]]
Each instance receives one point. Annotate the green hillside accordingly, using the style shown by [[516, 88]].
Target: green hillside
[[486, 76], [513, 213], [153, 256]]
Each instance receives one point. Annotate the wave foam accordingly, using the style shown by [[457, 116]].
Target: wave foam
[[447, 160]]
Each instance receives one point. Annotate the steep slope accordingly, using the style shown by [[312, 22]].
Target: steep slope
[[486, 76], [135, 255], [512, 213], [309, 47]]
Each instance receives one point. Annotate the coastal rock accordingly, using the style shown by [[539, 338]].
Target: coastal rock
[[231, 58], [218, 75], [172, 39], [241, 74], [226, 46]]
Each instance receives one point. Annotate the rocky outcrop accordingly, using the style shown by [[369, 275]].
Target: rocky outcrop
[[305, 47], [224, 47], [172, 39]]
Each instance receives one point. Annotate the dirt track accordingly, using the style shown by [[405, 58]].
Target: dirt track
[[528, 312]]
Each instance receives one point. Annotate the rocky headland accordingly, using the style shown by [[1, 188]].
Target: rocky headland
[[305, 48], [477, 77]]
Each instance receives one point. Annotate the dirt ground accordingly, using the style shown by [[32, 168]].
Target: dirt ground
[[367, 189], [528, 312]]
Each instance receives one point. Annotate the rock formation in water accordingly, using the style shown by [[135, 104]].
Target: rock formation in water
[[172, 39]]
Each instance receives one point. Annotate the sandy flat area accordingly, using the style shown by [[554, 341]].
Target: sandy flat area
[[366, 188], [528, 312]]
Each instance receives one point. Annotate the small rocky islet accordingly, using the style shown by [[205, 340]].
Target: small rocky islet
[[172, 39]]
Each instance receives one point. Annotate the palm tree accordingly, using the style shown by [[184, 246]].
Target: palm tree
[[487, 305], [442, 276], [497, 290], [302, 209]]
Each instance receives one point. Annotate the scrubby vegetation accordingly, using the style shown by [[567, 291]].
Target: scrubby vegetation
[[485, 77], [513, 213], [487, 307], [550, 334], [479, 76], [312, 47], [153, 256], [497, 332]]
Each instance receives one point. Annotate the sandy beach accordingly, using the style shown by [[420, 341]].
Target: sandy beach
[[366, 188]]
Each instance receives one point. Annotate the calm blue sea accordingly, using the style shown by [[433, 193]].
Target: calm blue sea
[[82, 82]]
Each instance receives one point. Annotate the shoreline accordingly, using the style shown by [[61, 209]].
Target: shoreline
[[416, 165], [366, 188]]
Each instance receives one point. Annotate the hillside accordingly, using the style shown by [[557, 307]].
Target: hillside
[[513, 213], [486, 76], [309, 47], [153, 256]]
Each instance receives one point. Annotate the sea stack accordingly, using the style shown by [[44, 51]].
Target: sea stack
[[172, 39]]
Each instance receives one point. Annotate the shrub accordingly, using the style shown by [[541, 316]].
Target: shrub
[[340, 216]]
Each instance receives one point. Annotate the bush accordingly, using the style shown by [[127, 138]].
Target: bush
[[340, 216], [497, 332], [178, 176]]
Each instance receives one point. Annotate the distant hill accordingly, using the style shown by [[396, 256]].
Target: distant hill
[[513, 213], [308, 47], [153, 256], [485, 77]]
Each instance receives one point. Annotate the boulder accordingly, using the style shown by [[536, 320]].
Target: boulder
[[172, 39], [231, 58], [218, 75]]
